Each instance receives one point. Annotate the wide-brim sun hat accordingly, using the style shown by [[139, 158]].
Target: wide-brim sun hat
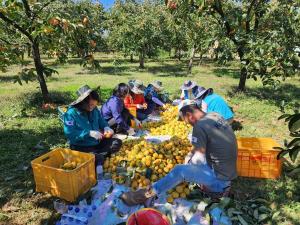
[[188, 84], [82, 93], [201, 91], [137, 87], [157, 84]]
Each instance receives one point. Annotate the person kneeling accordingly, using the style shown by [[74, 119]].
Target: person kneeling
[[85, 128], [213, 138]]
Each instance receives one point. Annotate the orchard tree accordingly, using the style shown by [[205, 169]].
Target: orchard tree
[[264, 33], [136, 28], [28, 18]]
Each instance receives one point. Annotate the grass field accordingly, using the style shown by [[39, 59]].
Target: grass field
[[27, 132]]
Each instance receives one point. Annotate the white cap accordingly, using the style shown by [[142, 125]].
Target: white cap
[[185, 103]]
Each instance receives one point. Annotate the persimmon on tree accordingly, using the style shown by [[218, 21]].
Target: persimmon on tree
[[264, 33]]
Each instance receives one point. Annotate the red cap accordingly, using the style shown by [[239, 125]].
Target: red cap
[[147, 216]]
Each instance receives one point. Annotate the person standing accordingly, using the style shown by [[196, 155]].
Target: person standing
[[213, 137], [86, 129]]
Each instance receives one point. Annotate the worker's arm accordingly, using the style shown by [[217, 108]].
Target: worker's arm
[[199, 142]]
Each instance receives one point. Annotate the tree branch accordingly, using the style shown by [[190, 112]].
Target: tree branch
[[248, 16], [5, 41], [229, 30], [35, 14], [27, 9], [17, 26]]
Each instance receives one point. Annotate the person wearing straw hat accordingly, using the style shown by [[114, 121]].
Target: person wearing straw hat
[[86, 129], [152, 96], [211, 102], [136, 99], [212, 138], [115, 112], [188, 90]]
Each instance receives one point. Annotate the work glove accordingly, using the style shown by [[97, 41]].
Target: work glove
[[197, 158], [188, 158], [139, 106], [137, 122], [96, 134], [108, 132], [131, 131]]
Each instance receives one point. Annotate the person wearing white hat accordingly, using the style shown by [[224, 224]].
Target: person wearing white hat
[[212, 102], [152, 96], [188, 90], [86, 129]]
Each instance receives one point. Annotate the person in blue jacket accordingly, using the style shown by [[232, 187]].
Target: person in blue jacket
[[211, 102], [116, 114], [152, 98], [189, 90], [86, 129]]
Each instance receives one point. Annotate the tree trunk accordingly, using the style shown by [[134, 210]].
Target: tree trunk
[[243, 75], [131, 57], [170, 52], [39, 70], [142, 60], [191, 60], [200, 58], [28, 50], [243, 78]]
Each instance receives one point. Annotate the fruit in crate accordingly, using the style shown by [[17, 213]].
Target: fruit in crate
[[69, 165]]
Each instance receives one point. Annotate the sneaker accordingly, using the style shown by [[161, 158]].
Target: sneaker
[[138, 197]]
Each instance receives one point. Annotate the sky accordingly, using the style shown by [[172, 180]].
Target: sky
[[107, 3]]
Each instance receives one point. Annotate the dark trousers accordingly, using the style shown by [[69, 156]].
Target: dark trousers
[[105, 148], [141, 114], [127, 117]]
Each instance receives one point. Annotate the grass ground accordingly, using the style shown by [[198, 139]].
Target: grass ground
[[26, 132]]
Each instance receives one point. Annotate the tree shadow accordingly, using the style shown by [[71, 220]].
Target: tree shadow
[[236, 125], [228, 72], [9, 78], [290, 93], [169, 70]]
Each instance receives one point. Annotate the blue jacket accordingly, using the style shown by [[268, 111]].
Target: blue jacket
[[113, 108], [77, 126], [150, 92], [215, 103]]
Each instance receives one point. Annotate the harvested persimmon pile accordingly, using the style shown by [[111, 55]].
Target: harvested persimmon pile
[[146, 162]]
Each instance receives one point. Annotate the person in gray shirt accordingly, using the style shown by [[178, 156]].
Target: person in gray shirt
[[211, 162]]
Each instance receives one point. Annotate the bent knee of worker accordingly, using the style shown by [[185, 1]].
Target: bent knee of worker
[[116, 143], [180, 170]]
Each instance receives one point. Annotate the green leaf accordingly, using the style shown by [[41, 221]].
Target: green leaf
[[255, 214], [282, 154], [294, 142], [294, 124], [225, 201], [283, 116], [294, 152], [262, 217], [264, 209], [242, 220]]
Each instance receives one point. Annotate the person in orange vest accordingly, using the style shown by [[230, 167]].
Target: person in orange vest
[[136, 99]]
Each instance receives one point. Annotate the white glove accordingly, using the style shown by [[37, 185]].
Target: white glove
[[108, 130], [198, 158], [139, 106], [188, 157], [96, 134], [137, 122], [131, 131]]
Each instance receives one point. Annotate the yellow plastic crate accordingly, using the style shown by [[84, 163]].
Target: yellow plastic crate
[[257, 158], [132, 111], [65, 184]]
